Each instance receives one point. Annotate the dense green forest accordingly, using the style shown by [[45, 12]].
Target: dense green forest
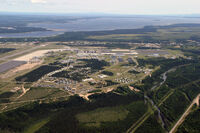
[[81, 71], [5, 50], [123, 105], [152, 125], [164, 64], [192, 122], [37, 73], [63, 115], [181, 86]]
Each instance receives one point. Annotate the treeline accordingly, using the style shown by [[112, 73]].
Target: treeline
[[94, 64], [107, 45], [183, 75], [4, 97], [150, 125], [184, 86], [66, 121], [37, 73], [191, 123], [62, 114], [5, 50], [193, 51], [108, 73], [19, 119], [76, 76], [173, 108], [165, 65]]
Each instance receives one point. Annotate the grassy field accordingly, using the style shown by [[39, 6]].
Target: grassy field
[[40, 93], [96, 117], [161, 33], [36, 126], [109, 118], [8, 101], [116, 37]]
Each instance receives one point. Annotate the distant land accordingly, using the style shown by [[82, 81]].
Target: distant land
[[44, 25]]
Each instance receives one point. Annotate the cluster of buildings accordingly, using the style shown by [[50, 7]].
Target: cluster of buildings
[[124, 80], [69, 89], [101, 52], [53, 82]]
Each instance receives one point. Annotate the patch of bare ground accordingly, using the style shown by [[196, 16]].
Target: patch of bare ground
[[108, 90], [134, 89], [38, 53], [85, 96], [24, 91]]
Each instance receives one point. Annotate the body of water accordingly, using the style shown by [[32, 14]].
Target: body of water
[[101, 23]]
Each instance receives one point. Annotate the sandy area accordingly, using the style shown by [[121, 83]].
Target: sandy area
[[85, 96], [89, 79], [108, 90], [38, 53], [133, 89]]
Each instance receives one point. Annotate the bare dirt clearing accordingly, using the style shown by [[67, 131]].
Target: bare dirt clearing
[[38, 53]]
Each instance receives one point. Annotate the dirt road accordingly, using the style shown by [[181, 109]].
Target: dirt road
[[179, 122]]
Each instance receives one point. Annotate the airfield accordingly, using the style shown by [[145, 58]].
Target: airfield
[[54, 72], [65, 70]]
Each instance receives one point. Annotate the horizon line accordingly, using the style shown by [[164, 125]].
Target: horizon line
[[91, 13]]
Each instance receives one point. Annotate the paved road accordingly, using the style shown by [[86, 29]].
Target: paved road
[[178, 123], [19, 53]]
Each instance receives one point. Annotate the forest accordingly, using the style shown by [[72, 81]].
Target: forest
[[5, 50], [63, 114], [37, 73]]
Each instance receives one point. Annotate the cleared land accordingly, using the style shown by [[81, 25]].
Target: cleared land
[[38, 53], [178, 123], [96, 117], [36, 126]]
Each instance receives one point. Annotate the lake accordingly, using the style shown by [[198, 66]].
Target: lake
[[101, 23]]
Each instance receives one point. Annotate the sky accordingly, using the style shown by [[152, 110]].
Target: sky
[[102, 6]]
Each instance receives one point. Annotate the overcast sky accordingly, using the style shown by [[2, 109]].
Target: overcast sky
[[103, 6]]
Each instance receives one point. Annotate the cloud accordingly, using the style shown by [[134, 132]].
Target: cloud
[[105, 6], [38, 1]]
